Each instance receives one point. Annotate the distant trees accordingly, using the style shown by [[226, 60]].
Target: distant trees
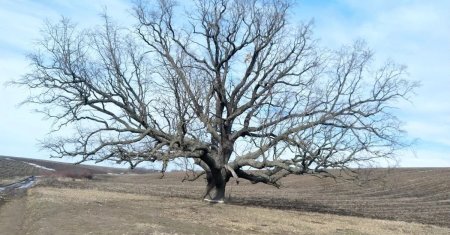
[[230, 84]]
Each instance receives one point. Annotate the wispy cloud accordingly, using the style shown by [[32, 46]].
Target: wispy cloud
[[20, 24], [414, 33]]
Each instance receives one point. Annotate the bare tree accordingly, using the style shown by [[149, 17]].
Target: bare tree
[[230, 84]]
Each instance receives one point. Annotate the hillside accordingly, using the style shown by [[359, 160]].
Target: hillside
[[13, 167]]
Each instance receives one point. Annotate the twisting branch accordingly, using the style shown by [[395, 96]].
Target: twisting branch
[[234, 87]]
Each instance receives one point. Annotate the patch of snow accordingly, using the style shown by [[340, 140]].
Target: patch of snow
[[213, 201], [27, 184], [39, 166], [24, 184]]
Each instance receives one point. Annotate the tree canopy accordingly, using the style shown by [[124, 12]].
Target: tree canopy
[[233, 85]]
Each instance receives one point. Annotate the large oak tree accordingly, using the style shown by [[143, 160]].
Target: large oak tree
[[233, 85]]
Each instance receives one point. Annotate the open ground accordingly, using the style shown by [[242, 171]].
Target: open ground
[[418, 199]]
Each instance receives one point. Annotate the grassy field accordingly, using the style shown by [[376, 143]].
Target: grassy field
[[303, 205]]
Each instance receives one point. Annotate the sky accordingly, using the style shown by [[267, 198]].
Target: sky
[[413, 33]]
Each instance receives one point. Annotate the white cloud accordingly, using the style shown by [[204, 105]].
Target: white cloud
[[20, 127], [425, 158], [431, 132], [414, 33], [20, 22]]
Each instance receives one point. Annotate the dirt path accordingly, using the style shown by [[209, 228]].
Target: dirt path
[[12, 216], [76, 211]]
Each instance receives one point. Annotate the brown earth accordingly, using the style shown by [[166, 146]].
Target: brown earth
[[413, 195], [420, 195], [49, 210]]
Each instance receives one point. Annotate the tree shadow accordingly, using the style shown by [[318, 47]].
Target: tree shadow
[[291, 204]]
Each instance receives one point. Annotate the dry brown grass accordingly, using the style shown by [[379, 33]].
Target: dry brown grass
[[14, 166], [86, 211], [412, 195], [10, 180], [11, 168]]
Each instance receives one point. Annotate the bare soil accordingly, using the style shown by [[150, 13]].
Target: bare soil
[[419, 195], [49, 210], [413, 195]]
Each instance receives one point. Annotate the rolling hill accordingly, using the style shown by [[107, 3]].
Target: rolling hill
[[11, 167]]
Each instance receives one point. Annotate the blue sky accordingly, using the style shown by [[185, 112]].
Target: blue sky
[[413, 33]]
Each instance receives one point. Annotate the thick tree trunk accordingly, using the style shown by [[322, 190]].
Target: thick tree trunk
[[216, 184], [219, 192]]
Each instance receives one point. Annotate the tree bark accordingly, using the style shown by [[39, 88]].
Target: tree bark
[[216, 185]]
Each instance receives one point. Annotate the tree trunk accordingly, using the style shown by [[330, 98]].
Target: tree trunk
[[215, 188]]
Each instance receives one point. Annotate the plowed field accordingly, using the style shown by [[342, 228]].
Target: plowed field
[[414, 195]]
